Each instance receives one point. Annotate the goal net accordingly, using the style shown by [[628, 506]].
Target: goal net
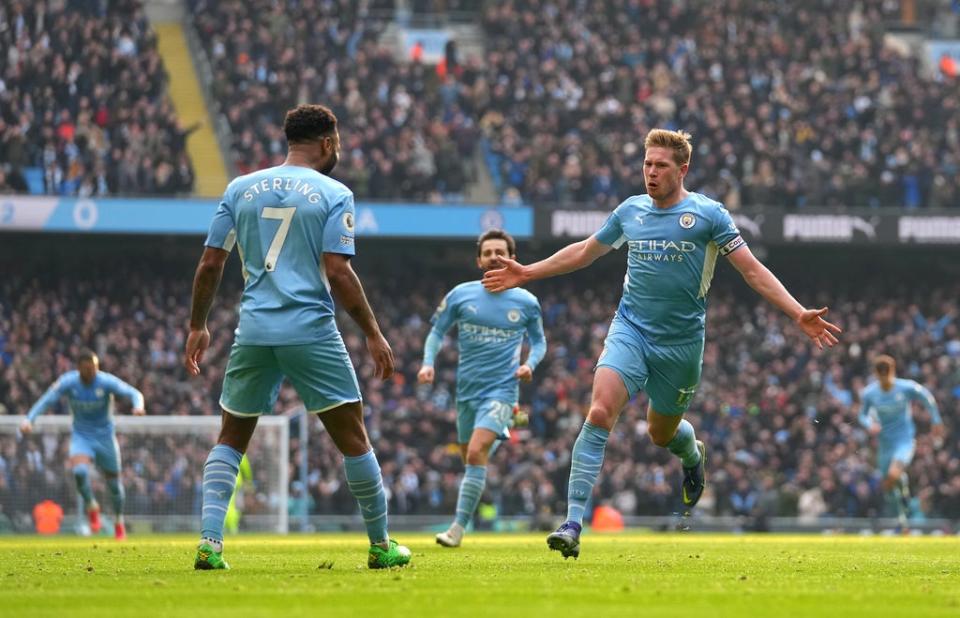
[[162, 471]]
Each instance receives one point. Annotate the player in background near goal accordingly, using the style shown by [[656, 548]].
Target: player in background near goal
[[90, 394]]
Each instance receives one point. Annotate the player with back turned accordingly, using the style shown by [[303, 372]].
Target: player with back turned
[[655, 342], [491, 329], [293, 227]]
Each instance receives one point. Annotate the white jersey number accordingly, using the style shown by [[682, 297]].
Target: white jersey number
[[285, 216]]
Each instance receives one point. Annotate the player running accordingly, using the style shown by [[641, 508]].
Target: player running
[[90, 394], [885, 413], [491, 329], [655, 342], [293, 226]]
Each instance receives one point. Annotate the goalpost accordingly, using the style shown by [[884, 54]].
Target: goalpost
[[162, 468]]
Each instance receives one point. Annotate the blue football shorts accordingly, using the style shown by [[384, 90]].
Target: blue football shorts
[[897, 450], [668, 373], [320, 372], [491, 414], [100, 447]]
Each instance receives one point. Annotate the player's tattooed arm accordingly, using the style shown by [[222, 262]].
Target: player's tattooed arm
[[205, 284], [348, 292]]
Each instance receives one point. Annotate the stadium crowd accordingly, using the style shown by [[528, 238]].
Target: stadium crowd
[[563, 93], [833, 117], [789, 104], [94, 123], [779, 417], [403, 136]]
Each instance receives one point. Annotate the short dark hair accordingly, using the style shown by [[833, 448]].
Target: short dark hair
[[494, 234], [308, 122], [884, 364], [86, 354]]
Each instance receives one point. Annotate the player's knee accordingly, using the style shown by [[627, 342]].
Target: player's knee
[[660, 436], [81, 469], [477, 454], [601, 415]]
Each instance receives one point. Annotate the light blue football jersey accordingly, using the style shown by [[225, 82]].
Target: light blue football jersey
[[282, 220], [91, 405], [491, 328], [892, 408], [671, 256]]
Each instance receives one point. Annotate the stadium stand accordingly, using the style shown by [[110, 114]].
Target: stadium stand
[[91, 124], [404, 135], [834, 117]]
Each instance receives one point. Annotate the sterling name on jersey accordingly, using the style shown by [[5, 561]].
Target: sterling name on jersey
[[491, 331], [91, 404], [671, 256], [283, 219], [892, 408]]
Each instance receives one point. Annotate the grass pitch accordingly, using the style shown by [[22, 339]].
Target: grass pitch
[[650, 575]]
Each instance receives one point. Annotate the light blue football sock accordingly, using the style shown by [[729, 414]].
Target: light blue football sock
[[471, 489], [586, 463], [366, 485], [81, 474], [684, 445], [219, 479], [117, 494]]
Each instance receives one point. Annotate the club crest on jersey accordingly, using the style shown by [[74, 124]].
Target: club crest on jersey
[[99, 392], [687, 220], [513, 315], [348, 221]]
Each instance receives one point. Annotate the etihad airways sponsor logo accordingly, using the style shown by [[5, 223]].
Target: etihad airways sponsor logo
[[929, 229], [660, 250], [684, 246], [487, 334], [827, 227]]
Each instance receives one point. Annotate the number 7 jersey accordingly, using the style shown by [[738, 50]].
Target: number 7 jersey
[[282, 220]]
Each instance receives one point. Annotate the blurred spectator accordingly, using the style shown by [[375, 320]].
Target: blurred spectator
[[83, 100], [401, 138], [789, 104]]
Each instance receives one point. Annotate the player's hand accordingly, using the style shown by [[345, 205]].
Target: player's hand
[[939, 432], [425, 375], [874, 429], [524, 373], [382, 356], [197, 343], [26, 427], [138, 411], [820, 331], [510, 276]]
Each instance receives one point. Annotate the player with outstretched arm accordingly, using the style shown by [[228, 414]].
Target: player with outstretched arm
[[90, 394], [655, 342]]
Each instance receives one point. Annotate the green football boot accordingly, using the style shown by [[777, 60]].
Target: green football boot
[[380, 558], [695, 479], [209, 559]]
